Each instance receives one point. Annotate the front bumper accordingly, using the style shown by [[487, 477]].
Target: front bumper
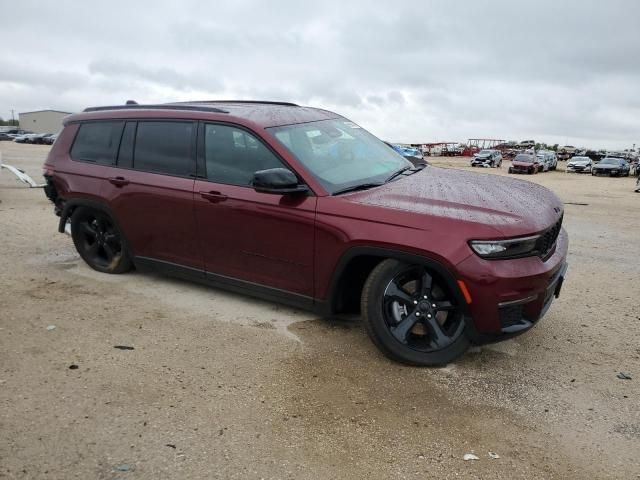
[[578, 169], [511, 296]]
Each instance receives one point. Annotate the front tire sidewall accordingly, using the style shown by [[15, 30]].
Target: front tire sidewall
[[378, 331]]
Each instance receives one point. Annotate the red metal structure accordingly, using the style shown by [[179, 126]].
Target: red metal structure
[[476, 144]]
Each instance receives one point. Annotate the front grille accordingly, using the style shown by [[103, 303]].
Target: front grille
[[548, 239]]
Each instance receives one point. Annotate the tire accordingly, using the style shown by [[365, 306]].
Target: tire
[[390, 312], [99, 241], [510, 170]]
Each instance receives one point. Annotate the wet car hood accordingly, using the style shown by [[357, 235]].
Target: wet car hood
[[511, 206], [607, 166]]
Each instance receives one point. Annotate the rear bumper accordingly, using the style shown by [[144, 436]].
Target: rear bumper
[[510, 296]]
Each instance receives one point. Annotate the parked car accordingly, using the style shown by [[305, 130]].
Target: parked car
[[525, 163], [566, 152], [580, 165], [544, 160], [487, 158], [50, 139], [612, 167], [5, 136], [305, 207], [40, 138], [26, 138], [551, 158]]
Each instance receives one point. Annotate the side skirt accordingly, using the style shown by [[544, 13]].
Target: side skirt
[[146, 264]]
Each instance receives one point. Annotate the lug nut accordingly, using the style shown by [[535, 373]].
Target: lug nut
[[417, 314], [433, 305], [425, 297], [429, 316], [415, 302]]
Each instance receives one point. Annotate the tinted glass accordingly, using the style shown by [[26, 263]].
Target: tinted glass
[[339, 153], [97, 142], [164, 147], [125, 155], [233, 155]]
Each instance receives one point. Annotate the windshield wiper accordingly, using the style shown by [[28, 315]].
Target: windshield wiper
[[354, 188], [412, 170]]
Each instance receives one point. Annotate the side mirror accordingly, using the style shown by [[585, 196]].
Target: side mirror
[[277, 180]]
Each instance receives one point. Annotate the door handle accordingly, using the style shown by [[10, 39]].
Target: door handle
[[119, 181], [214, 197]]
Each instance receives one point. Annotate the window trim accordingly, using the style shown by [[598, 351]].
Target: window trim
[[202, 160], [93, 162]]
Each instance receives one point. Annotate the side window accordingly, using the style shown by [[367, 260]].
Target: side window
[[164, 147], [97, 142], [232, 155]]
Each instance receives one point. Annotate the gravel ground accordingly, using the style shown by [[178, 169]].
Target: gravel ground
[[224, 386]]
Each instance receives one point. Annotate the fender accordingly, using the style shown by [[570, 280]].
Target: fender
[[441, 270]]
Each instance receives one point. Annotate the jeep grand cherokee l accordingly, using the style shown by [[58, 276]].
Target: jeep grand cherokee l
[[305, 207]]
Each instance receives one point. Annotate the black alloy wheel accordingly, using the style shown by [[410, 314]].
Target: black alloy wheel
[[412, 316], [99, 241]]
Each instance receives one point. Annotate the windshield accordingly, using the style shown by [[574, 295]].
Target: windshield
[[340, 154], [611, 161], [581, 159], [523, 158], [485, 152]]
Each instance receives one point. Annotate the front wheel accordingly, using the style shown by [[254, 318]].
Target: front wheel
[[412, 316], [99, 241]]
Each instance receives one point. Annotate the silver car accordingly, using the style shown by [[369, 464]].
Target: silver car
[[580, 165]]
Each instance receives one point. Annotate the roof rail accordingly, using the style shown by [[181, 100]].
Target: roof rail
[[167, 106], [262, 102]]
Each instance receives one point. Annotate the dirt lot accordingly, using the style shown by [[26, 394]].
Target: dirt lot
[[224, 386]]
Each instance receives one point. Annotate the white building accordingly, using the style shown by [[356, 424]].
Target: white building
[[42, 121]]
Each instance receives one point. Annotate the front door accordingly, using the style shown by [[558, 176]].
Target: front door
[[259, 238]]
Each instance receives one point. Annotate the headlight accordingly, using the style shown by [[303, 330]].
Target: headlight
[[512, 248]]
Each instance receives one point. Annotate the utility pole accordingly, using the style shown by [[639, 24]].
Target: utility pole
[[13, 119]]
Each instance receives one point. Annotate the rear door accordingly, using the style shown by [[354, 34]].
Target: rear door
[[260, 238], [150, 190]]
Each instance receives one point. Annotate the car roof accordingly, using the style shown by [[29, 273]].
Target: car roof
[[262, 113]]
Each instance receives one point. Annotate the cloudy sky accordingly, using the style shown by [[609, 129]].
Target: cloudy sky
[[414, 71]]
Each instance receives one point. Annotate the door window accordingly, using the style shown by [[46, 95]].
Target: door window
[[164, 147], [233, 155]]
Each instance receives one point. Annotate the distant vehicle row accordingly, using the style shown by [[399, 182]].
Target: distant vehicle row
[[23, 136], [609, 166]]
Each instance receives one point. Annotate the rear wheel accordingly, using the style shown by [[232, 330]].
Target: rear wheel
[[411, 315], [99, 241]]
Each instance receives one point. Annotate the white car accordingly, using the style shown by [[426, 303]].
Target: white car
[[543, 159], [580, 165], [552, 158]]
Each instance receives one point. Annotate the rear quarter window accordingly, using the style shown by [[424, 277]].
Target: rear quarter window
[[97, 142]]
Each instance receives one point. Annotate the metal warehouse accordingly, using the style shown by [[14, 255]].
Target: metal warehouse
[[42, 121]]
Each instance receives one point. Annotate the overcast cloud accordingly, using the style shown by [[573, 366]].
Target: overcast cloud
[[418, 71]]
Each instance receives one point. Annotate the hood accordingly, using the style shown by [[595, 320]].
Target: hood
[[580, 163], [510, 206]]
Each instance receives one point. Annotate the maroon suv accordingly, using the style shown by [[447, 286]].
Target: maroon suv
[[302, 206]]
